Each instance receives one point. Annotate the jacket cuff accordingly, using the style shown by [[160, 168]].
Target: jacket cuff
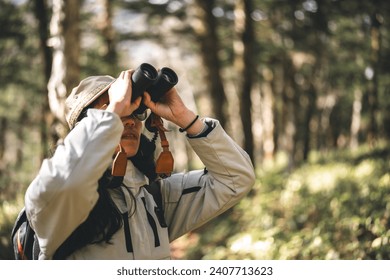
[[208, 127]]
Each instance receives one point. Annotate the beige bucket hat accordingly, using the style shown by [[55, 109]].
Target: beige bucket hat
[[83, 95]]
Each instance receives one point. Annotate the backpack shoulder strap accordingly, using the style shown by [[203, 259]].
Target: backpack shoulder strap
[[20, 219], [155, 190]]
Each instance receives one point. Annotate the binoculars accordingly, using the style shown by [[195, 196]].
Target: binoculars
[[156, 83]]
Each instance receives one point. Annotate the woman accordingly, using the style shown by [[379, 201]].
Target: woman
[[79, 210]]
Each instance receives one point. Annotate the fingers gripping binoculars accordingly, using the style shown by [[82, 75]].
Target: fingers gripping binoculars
[[156, 83]]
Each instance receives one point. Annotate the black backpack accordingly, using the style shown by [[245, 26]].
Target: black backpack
[[23, 238], [25, 243]]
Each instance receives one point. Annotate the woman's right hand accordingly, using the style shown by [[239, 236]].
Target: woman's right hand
[[120, 94]]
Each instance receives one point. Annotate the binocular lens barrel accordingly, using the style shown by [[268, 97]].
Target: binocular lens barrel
[[169, 75], [148, 71], [166, 80], [146, 78], [142, 78]]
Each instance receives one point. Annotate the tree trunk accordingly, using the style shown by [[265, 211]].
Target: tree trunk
[[40, 10], [205, 31], [3, 131], [108, 32], [65, 72], [356, 119], [386, 116], [20, 137], [309, 114], [244, 64], [267, 109], [72, 43], [289, 122], [373, 106]]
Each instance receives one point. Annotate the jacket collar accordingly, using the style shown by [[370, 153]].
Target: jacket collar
[[134, 178]]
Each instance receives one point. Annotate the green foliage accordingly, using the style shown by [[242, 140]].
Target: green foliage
[[19, 53], [12, 40], [332, 208]]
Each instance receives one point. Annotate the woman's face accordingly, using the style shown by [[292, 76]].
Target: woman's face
[[131, 135], [132, 127]]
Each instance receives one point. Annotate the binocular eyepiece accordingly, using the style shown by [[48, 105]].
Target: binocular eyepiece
[[156, 83]]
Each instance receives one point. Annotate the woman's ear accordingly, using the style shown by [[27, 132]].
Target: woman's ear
[[102, 102]]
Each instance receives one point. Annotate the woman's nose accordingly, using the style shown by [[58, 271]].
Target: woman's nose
[[129, 122]]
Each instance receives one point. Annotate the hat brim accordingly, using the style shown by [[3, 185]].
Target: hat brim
[[77, 102]]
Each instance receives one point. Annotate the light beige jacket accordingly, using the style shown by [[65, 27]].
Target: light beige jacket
[[65, 190]]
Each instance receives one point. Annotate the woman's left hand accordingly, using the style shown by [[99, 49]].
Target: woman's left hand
[[172, 108]]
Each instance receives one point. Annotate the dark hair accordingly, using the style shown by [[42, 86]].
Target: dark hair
[[105, 219], [144, 159]]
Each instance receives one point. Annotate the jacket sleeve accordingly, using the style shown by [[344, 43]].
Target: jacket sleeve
[[192, 199], [65, 190]]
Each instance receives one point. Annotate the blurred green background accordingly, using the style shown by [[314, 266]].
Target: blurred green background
[[302, 86]]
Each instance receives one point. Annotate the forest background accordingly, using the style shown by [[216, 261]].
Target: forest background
[[302, 85]]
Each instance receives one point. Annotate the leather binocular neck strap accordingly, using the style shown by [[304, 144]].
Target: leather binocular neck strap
[[165, 161], [120, 163]]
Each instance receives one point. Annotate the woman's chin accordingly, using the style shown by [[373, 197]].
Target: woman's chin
[[130, 146]]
